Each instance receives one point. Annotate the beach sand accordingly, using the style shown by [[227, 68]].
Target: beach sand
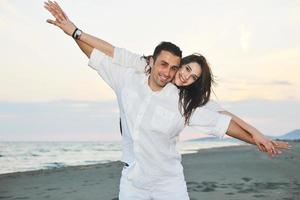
[[233, 173]]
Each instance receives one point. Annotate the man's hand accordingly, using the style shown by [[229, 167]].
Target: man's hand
[[61, 19]]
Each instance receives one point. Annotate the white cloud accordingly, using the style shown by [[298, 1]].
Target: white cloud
[[28, 121], [7, 14], [51, 67], [245, 37], [3, 24], [274, 75], [295, 13], [7, 8]]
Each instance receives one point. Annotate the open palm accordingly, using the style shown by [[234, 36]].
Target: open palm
[[61, 19]]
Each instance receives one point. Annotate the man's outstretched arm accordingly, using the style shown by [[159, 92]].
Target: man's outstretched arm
[[86, 42]]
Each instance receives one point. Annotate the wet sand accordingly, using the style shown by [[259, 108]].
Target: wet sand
[[231, 173], [243, 173]]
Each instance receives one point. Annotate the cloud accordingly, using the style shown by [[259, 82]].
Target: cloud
[[8, 13], [3, 24], [253, 82], [29, 121], [237, 88], [245, 37], [8, 8], [272, 117], [240, 88], [295, 12], [280, 82], [62, 120]]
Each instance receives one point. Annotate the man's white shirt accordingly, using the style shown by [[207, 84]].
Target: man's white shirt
[[151, 121]]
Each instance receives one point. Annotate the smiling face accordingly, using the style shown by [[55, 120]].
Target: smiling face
[[187, 74], [164, 68]]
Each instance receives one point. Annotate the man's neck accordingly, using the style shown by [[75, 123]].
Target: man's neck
[[153, 86]]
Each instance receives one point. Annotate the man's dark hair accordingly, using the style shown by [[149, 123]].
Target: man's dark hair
[[163, 46], [169, 47]]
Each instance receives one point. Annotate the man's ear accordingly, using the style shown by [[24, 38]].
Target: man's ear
[[151, 63]]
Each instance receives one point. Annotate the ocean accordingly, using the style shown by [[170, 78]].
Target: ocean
[[29, 156]]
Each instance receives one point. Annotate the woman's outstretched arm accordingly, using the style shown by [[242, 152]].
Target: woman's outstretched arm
[[263, 143], [260, 140], [241, 130]]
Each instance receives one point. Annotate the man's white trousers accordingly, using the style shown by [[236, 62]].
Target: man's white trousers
[[162, 189]]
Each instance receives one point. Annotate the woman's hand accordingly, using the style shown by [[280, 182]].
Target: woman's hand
[[269, 146], [281, 145], [263, 143], [61, 19]]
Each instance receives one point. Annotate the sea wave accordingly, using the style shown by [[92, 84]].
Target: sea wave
[[28, 156], [55, 165]]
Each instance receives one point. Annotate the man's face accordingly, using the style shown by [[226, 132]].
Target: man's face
[[163, 70]]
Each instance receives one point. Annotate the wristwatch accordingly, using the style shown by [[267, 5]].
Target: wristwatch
[[77, 33]]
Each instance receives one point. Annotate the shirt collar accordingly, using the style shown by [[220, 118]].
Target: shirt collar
[[169, 87]]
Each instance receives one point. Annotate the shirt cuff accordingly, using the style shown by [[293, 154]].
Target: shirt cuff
[[222, 126]]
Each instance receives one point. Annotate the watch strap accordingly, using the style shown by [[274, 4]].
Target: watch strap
[[73, 35]]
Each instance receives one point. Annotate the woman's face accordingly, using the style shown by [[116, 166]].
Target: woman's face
[[187, 74]]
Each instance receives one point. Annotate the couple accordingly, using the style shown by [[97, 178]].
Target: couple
[[154, 111]]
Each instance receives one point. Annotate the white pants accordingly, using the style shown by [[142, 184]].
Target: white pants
[[162, 189]]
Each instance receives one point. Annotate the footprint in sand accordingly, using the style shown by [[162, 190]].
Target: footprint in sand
[[21, 198], [246, 179], [229, 193], [51, 189], [203, 187], [193, 186]]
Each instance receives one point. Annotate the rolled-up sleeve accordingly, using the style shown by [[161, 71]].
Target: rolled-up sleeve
[[210, 122], [128, 59], [112, 74]]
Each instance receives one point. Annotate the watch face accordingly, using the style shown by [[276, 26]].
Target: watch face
[[78, 33]]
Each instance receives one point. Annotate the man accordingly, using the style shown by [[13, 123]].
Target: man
[[149, 113]]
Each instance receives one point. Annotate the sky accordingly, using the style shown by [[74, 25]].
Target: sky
[[47, 91]]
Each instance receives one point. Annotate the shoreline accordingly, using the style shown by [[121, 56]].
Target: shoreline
[[190, 151], [235, 172]]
